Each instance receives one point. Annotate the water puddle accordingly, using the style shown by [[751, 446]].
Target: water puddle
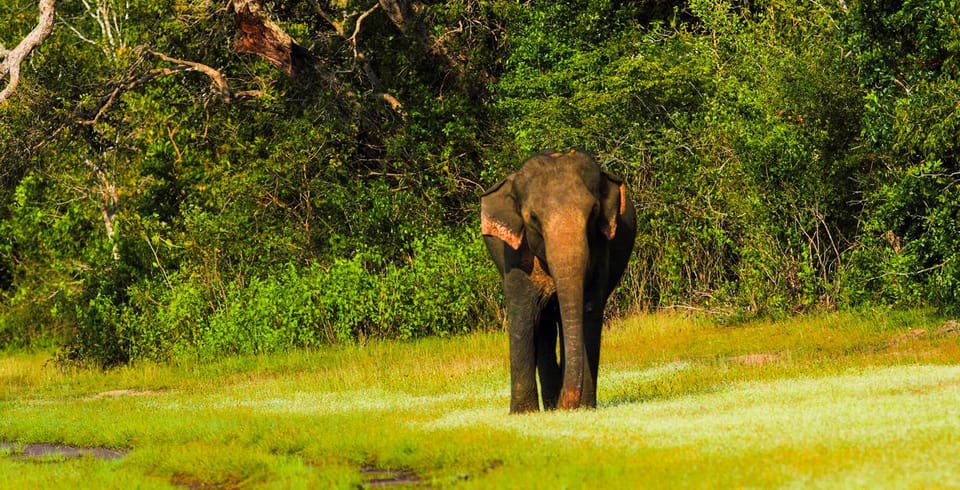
[[44, 451], [374, 477]]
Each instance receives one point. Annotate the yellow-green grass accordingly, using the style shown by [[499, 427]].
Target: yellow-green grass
[[838, 400]]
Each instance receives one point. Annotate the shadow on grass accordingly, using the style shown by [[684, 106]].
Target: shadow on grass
[[661, 383], [646, 392], [687, 378]]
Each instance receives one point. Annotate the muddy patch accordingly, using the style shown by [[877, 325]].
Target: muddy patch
[[375, 477], [59, 451]]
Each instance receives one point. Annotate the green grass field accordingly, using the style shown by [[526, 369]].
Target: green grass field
[[835, 401]]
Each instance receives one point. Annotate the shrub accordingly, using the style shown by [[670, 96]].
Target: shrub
[[445, 286]]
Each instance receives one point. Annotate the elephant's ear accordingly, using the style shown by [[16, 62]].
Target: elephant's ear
[[613, 204], [499, 216]]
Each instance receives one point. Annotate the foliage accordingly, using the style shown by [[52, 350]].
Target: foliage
[[784, 156], [908, 252], [444, 288]]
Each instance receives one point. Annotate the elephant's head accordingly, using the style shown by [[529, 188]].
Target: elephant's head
[[562, 189], [562, 208]]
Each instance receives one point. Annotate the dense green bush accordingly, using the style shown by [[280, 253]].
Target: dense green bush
[[444, 287], [784, 155], [908, 250]]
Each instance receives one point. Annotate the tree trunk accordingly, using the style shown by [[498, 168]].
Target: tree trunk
[[263, 37], [12, 59], [109, 202]]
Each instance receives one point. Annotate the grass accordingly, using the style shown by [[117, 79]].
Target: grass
[[838, 400]]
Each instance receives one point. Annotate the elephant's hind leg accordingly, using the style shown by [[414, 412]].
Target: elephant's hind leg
[[548, 366]]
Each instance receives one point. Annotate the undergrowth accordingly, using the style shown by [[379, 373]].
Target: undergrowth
[[446, 286]]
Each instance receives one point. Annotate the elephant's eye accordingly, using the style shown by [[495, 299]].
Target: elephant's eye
[[534, 219]]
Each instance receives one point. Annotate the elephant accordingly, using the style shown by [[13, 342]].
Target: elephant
[[560, 231]]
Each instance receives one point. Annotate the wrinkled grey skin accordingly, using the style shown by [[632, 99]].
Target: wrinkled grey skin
[[560, 231]]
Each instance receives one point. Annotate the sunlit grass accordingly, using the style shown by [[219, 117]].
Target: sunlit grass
[[833, 400]]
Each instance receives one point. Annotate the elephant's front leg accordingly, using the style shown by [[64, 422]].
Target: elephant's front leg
[[548, 366], [523, 383], [592, 329], [521, 315], [594, 304]]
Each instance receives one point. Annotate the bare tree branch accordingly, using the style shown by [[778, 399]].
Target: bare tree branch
[[358, 54], [263, 37], [406, 16], [394, 104], [336, 24], [400, 13], [129, 83], [12, 59], [356, 30], [221, 86]]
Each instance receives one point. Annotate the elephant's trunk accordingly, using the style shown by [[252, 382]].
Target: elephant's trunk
[[567, 256]]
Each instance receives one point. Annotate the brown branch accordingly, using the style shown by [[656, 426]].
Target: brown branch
[[220, 83], [337, 25], [356, 31], [170, 134], [358, 55], [221, 86], [394, 104], [12, 59], [400, 13], [109, 203], [130, 83], [407, 15], [264, 38]]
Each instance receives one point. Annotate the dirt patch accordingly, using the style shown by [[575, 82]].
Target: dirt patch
[[122, 393], [375, 477], [950, 328], [908, 336], [193, 483], [755, 359], [42, 451]]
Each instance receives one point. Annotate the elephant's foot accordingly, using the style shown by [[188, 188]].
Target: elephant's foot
[[550, 401], [569, 399], [524, 406], [524, 400]]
